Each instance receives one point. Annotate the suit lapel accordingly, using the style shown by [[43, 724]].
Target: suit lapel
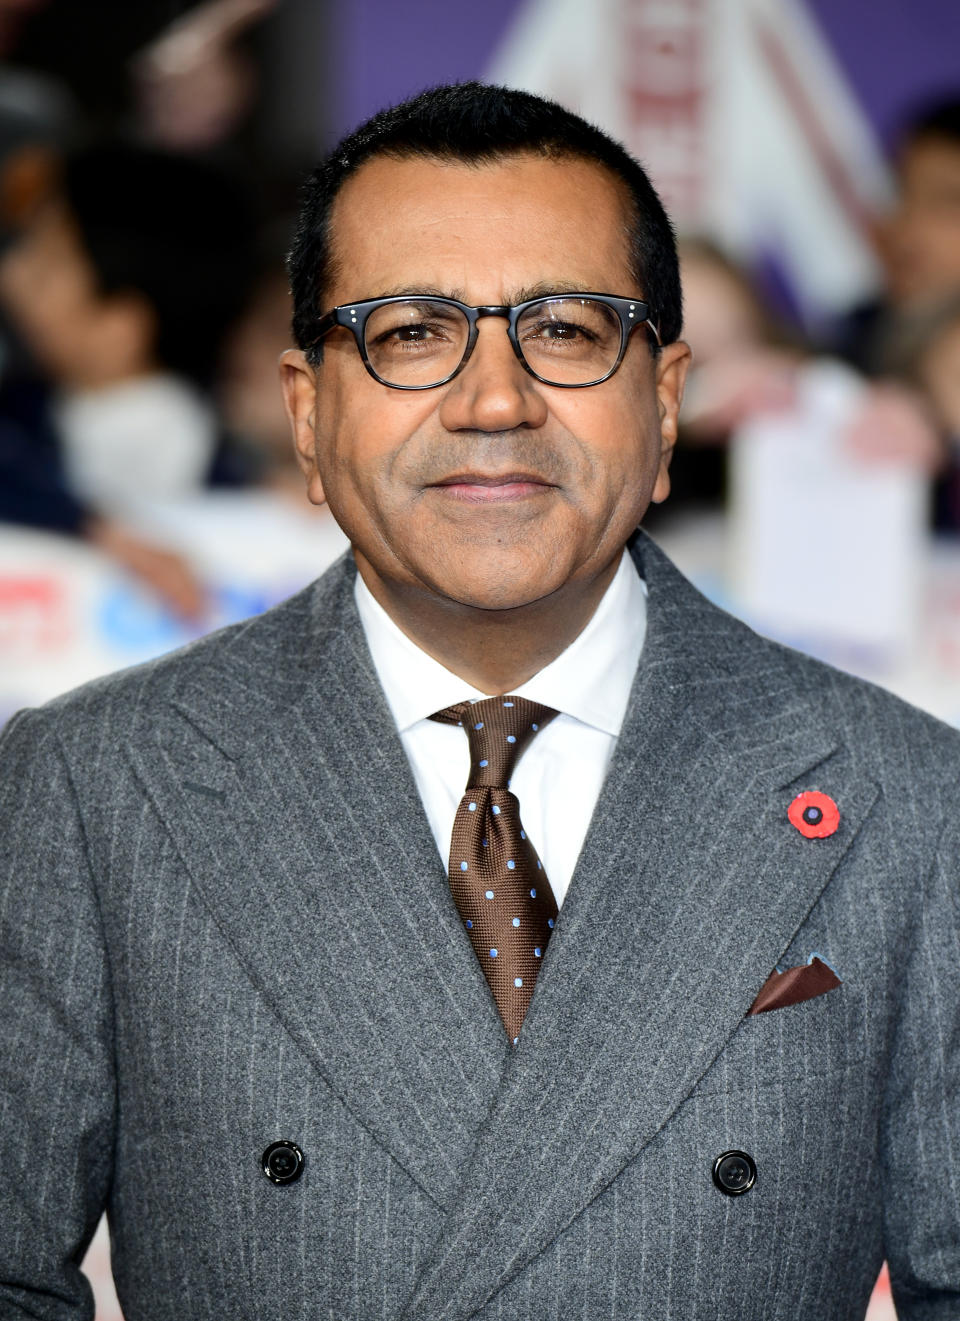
[[305, 836], [690, 886]]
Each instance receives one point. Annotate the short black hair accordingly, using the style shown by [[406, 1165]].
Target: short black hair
[[178, 231], [480, 124]]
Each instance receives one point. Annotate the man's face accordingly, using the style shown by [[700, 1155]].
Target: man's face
[[493, 490], [921, 240]]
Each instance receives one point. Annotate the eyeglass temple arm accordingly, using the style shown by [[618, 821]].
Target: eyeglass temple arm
[[324, 325]]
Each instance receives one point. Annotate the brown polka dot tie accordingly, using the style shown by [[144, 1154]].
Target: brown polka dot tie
[[498, 882]]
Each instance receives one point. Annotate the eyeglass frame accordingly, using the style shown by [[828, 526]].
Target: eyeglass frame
[[631, 312]]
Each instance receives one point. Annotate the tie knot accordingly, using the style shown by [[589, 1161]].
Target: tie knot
[[499, 728]]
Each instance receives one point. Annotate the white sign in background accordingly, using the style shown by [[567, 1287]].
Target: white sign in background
[[828, 550]]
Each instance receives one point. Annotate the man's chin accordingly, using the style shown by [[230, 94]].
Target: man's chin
[[493, 580], [498, 595], [502, 604]]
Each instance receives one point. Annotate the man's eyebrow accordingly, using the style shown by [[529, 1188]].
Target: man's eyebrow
[[415, 290], [547, 287], [544, 289]]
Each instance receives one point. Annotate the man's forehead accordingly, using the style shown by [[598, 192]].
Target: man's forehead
[[544, 223], [519, 294]]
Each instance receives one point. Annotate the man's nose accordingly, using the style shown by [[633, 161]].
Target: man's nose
[[493, 392]]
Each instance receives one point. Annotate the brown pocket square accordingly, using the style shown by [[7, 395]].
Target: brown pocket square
[[794, 985]]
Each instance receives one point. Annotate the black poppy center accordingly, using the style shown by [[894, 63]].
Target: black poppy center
[[813, 815]]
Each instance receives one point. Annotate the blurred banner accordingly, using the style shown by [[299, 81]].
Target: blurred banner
[[67, 614], [741, 114]]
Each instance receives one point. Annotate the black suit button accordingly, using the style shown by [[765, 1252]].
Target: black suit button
[[282, 1162], [734, 1173]]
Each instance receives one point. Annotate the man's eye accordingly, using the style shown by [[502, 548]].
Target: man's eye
[[558, 331], [562, 330], [410, 333]]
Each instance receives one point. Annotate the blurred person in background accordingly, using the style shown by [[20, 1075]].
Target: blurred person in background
[[930, 363], [746, 357], [178, 73], [747, 362], [195, 82], [918, 242], [938, 370], [744, 361], [121, 288], [246, 388]]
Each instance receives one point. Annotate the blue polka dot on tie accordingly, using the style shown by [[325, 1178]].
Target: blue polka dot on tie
[[535, 728], [533, 894], [523, 834], [493, 954], [495, 810], [537, 952], [484, 762], [510, 865], [479, 725], [463, 866], [518, 981], [471, 807], [469, 925], [550, 923], [539, 864], [489, 894], [508, 704], [516, 921], [511, 738], [515, 1040], [485, 842]]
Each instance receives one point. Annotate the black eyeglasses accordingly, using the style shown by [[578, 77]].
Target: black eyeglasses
[[419, 342]]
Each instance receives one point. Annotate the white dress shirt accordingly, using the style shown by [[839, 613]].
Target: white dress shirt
[[558, 777]]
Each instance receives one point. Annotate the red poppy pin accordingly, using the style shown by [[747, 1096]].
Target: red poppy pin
[[814, 814]]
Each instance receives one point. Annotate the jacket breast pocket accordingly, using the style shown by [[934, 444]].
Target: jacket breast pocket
[[825, 1035]]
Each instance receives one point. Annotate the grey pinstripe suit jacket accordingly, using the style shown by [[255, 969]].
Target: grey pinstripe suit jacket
[[224, 922]]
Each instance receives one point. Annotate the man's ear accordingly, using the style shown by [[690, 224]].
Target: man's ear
[[671, 370], [299, 384]]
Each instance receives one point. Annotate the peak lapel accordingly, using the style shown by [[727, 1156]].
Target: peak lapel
[[691, 884], [290, 798]]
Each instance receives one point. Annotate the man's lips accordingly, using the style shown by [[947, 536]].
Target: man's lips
[[489, 488]]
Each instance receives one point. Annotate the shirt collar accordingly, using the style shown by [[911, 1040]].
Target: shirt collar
[[590, 680]]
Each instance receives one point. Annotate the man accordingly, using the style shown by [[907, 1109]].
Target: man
[[253, 1010]]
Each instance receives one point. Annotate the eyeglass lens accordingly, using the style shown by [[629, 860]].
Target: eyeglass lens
[[566, 341]]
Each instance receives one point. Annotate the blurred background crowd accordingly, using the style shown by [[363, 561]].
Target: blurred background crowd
[[150, 156], [144, 209]]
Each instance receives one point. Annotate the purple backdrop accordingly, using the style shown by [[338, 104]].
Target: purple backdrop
[[896, 52], [384, 51]]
